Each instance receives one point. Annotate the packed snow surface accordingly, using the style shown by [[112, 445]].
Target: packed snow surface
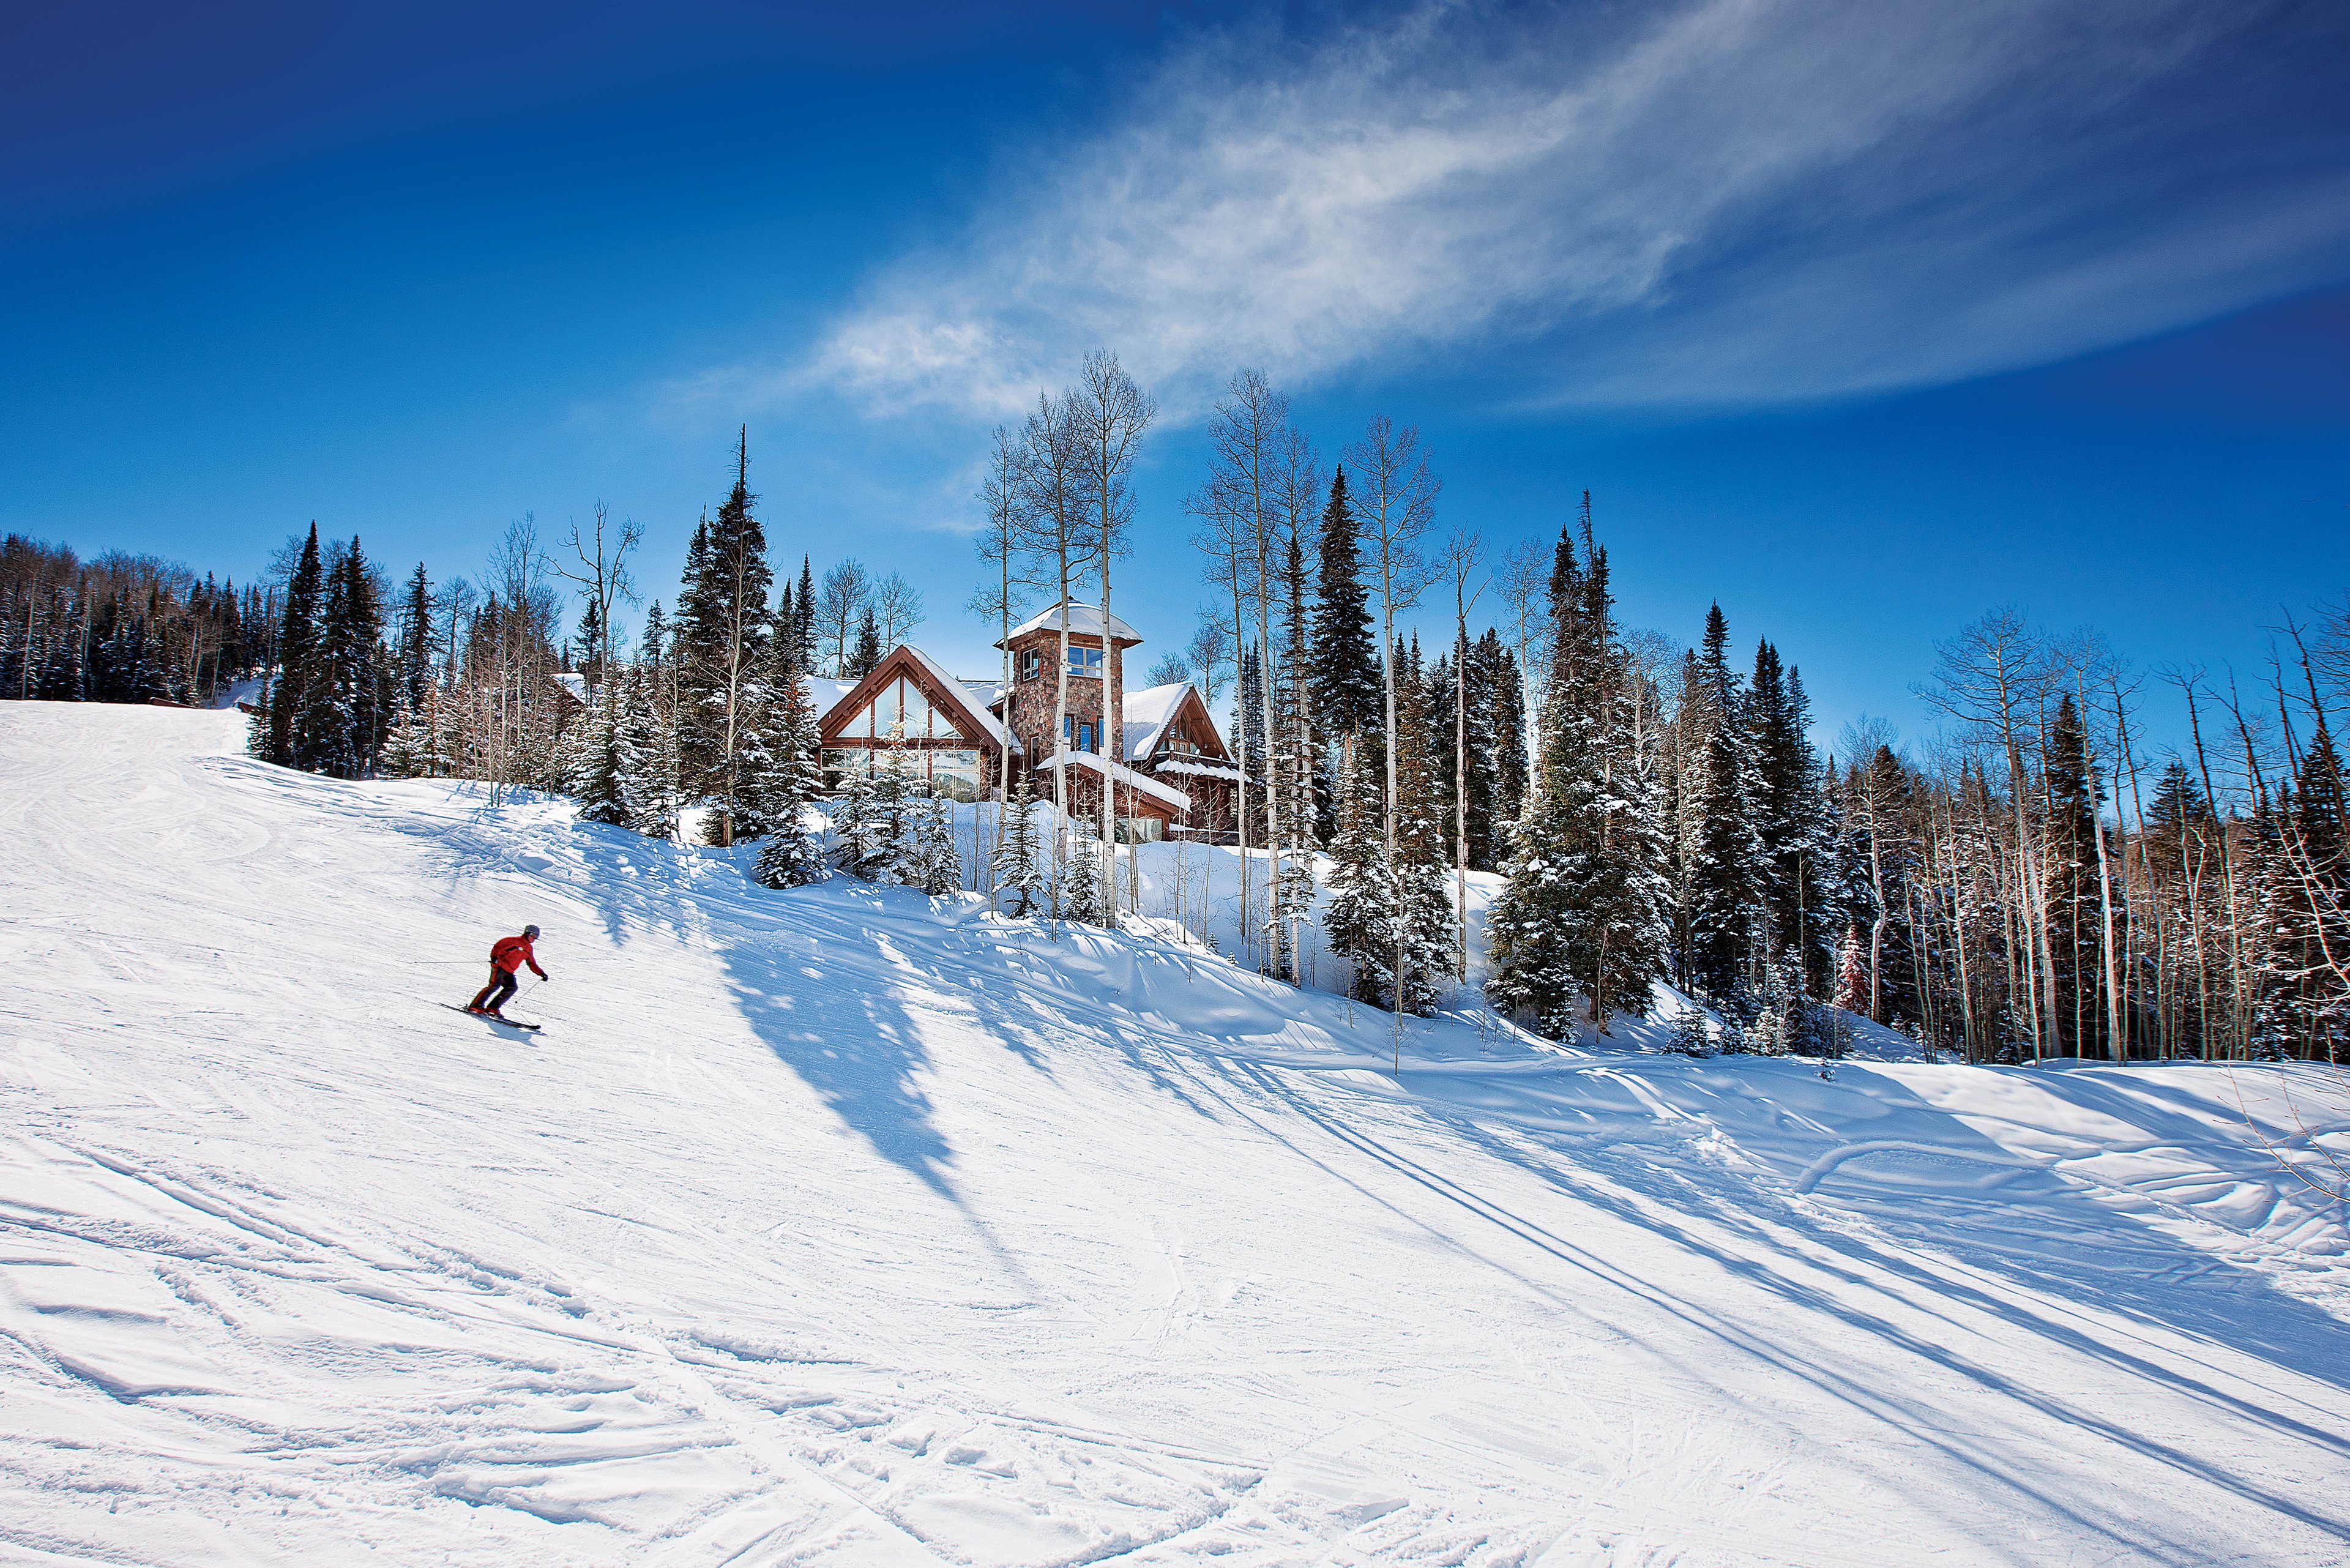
[[845, 1226]]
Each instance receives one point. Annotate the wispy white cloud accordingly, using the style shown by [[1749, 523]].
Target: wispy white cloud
[[1715, 201]]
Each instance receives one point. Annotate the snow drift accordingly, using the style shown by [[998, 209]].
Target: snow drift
[[847, 1226]]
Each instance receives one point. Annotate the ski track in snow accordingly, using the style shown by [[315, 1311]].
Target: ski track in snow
[[848, 1226]]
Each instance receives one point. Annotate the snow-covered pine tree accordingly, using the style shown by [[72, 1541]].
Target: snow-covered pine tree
[[1018, 871], [413, 666], [290, 742], [2069, 796], [603, 788], [1081, 882], [2302, 974], [1790, 828], [1422, 913], [1358, 918], [861, 832], [1583, 913], [932, 864], [1344, 673], [1294, 778], [1852, 972], [1722, 913], [791, 775], [723, 630], [868, 650], [648, 752], [349, 699], [1689, 1036]]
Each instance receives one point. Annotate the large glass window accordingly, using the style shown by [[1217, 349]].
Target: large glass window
[[1084, 660], [1083, 734], [956, 774], [903, 703], [1032, 663], [1140, 830]]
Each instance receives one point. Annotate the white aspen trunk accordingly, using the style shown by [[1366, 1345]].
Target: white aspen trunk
[[1111, 737], [1239, 706], [1059, 740], [2115, 1045]]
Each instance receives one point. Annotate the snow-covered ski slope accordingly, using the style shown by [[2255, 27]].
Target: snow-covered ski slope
[[839, 1227]]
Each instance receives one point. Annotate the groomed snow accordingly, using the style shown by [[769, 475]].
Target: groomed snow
[[851, 1226]]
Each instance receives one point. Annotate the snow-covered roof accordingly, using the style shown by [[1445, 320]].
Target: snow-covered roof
[[829, 694], [1138, 783], [1202, 770], [1147, 715], [573, 682], [961, 690], [1085, 619]]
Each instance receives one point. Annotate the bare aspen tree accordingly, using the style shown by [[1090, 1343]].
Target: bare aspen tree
[[603, 578], [1223, 537], [841, 602], [1395, 493], [1111, 415], [896, 607], [1240, 501], [1993, 677], [1000, 544], [1052, 517]]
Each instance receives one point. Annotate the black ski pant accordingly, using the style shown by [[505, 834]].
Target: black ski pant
[[499, 992]]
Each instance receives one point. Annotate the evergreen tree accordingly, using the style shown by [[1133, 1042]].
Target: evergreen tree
[[1082, 899], [649, 763], [2069, 796], [724, 624], [868, 650], [1423, 914], [1789, 829], [1358, 918], [932, 863], [2303, 976], [1720, 876], [790, 774], [860, 833], [1583, 913], [804, 620], [1344, 665], [1852, 972], [1015, 863], [603, 788], [351, 696], [289, 743], [415, 643], [1295, 779], [1248, 694]]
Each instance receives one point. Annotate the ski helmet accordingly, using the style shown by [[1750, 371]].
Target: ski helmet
[[530, 930]]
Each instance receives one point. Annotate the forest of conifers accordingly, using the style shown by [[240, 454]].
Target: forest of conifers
[[2036, 882]]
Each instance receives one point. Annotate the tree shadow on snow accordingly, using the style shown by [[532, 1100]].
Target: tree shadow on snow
[[2094, 1257]]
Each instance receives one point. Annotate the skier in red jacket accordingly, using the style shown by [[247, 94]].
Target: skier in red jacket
[[507, 955]]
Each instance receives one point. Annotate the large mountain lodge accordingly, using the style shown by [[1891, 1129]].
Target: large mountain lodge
[[1172, 772]]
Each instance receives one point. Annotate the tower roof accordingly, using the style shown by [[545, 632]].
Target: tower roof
[[1085, 620]]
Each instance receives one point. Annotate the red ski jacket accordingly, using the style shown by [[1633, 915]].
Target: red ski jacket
[[510, 953]]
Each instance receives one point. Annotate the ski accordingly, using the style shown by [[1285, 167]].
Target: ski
[[488, 1018]]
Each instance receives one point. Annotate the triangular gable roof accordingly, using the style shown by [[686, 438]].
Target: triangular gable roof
[[943, 691], [1125, 778], [1152, 710], [1084, 620]]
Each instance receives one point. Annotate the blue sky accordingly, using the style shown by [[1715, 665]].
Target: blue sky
[[1859, 320]]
